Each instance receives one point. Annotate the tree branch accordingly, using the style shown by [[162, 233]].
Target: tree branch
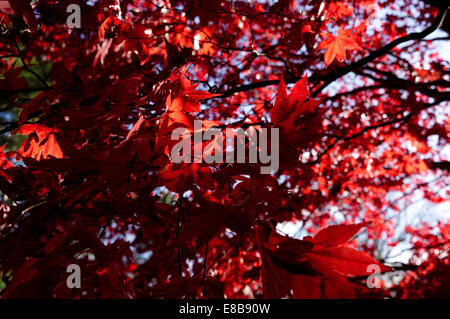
[[333, 76]]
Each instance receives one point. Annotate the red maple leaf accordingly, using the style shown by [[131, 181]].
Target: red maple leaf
[[108, 27], [287, 108], [336, 46], [185, 96], [319, 264], [4, 162], [41, 142], [338, 10], [21, 8]]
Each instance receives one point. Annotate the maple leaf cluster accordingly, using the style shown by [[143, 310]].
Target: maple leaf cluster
[[358, 92]]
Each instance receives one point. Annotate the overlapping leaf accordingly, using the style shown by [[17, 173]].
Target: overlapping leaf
[[319, 263]]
